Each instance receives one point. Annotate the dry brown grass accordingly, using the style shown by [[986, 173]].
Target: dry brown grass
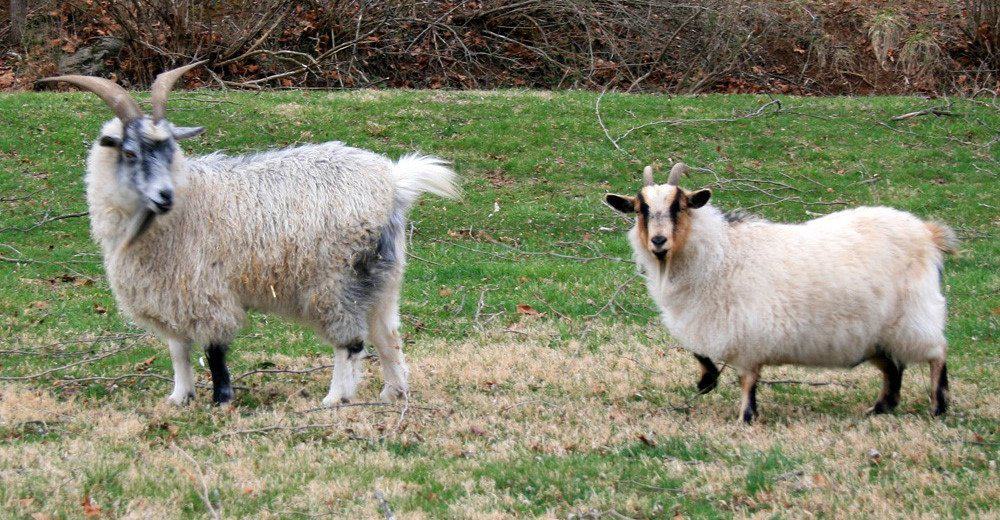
[[497, 398]]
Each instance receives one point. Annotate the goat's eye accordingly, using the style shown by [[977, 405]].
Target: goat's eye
[[129, 155]]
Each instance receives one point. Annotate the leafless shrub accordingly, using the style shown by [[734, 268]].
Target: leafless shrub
[[921, 55], [886, 30]]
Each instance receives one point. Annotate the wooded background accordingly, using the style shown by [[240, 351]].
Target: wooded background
[[804, 47]]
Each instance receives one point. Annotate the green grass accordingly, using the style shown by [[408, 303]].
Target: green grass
[[531, 230]]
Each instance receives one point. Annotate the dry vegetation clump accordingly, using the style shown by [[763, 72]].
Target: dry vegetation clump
[[512, 422], [807, 47]]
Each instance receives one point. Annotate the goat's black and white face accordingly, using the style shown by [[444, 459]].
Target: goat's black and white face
[[146, 146], [146, 159], [663, 212]]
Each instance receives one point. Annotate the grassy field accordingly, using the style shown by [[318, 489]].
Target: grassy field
[[541, 383]]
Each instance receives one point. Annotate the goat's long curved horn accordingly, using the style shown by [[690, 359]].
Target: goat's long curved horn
[[678, 171], [647, 176], [162, 85], [120, 101]]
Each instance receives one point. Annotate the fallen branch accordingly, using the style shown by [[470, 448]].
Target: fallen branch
[[46, 220], [935, 111], [280, 371]]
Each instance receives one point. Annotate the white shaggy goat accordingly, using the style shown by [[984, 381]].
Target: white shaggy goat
[[853, 286], [313, 233]]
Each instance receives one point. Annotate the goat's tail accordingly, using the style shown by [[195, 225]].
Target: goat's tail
[[415, 174], [943, 237]]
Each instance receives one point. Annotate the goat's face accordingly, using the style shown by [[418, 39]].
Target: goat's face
[[663, 221], [147, 155]]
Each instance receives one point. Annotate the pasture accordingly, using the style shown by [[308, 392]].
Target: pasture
[[541, 382]]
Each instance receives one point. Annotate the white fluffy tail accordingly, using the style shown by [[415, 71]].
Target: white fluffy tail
[[414, 174]]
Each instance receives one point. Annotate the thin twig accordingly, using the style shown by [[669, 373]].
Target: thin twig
[[44, 373], [215, 512], [281, 371]]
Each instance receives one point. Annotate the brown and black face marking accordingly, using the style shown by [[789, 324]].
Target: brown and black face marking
[[664, 219]]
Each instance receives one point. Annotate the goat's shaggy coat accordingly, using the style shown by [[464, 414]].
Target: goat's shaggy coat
[[313, 233], [853, 286]]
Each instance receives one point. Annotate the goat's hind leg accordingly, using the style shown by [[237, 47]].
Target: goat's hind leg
[[383, 330], [709, 375], [939, 387], [892, 381], [748, 404]]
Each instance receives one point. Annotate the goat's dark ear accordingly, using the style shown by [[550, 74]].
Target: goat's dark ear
[[699, 198], [107, 140], [186, 132], [620, 203]]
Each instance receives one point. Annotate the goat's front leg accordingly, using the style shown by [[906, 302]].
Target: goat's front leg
[[748, 384], [346, 373], [709, 375], [180, 356], [222, 389]]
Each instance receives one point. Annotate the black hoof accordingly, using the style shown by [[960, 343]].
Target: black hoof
[[707, 383], [222, 395], [748, 416], [940, 410], [886, 405]]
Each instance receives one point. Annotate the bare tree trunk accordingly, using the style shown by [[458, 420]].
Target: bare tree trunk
[[18, 14]]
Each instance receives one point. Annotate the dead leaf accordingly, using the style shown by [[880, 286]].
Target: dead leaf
[[874, 456], [144, 364], [100, 309], [90, 509], [528, 310], [445, 292]]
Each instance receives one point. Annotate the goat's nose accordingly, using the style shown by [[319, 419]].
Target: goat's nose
[[658, 240], [166, 199]]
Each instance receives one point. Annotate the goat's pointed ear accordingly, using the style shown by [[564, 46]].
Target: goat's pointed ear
[[620, 203], [699, 198], [110, 141], [186, 132]]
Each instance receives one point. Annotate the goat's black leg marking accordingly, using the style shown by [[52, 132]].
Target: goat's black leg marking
[[709, 375], [222, 389], [892, 381], [353, 349]]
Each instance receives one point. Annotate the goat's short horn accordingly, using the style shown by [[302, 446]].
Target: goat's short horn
[[678, 171], [120, 101], [647, 176], [162, 85]]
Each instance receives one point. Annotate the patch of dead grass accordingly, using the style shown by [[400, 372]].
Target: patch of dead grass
[[500, 397]]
